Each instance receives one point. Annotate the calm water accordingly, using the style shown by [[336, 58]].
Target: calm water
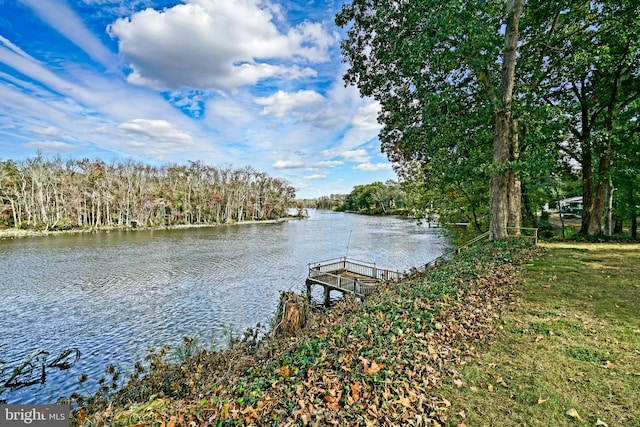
[[114, 295]]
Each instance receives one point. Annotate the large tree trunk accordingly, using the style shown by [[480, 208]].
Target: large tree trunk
[[587, 189], [502, 181], [600, 196], [514, 219]]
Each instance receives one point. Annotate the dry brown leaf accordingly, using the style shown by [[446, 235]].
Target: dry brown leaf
[[541, 400], [355, 390], [404, 401], [601, 423], [374, 368], [608, 364], [333, 402], [490, 388], [306, 418], [574, 414], [457, 382], [502, 383]]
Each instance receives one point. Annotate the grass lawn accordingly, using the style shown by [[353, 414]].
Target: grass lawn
[[569, 349]]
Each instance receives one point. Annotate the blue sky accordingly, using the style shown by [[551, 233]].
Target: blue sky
[[227, 82]]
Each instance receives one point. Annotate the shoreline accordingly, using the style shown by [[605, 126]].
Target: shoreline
[[326, 371], [12, 233]]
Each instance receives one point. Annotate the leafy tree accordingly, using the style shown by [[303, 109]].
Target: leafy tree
[[56, 194], [456, 113], [444, 73], [376, 198], [582, 71]]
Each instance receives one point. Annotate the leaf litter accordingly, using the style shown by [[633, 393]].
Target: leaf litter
[[376, 363]]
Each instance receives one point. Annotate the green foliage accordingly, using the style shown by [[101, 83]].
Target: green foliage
[[435, 67], [376, 198]]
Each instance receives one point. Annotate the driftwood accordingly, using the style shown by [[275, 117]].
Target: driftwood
[[292, 314]]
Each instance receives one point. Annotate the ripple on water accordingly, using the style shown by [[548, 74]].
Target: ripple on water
[[115, 295]]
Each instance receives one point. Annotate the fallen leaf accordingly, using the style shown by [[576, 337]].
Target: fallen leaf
[[541, 400], [574, 414], [539, 337], [374, 368], [608, 364], [404, 401], [502, 383], [601, 423], [490, 388], [305, 419], [333, 401], [457, 382], [355, 391]]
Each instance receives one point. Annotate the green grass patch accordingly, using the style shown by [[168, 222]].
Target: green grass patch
[[569, 350], [585, 354]]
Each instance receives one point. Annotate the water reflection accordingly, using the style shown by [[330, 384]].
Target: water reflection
[[114, 295]]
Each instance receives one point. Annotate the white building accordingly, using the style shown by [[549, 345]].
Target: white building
[[571, 204]]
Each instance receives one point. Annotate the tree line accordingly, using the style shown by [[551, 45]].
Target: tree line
[[376, 198], [488, 105], [54, 194]]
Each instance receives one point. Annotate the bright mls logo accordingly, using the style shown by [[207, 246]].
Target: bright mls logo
[[34, 415]]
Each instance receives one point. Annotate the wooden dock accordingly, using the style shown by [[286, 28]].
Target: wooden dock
[[348, 276]]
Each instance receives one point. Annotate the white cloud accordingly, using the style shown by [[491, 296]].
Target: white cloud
[[16, 49], [51, 146], [358, 156], [61, 17], [315, 177], [280, 103], [366, 118], [329, 164], [160, 131], [371, 167], [288, 164], [217, 44], [46, 131]]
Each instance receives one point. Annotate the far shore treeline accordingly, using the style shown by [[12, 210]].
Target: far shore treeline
[[59, 194]]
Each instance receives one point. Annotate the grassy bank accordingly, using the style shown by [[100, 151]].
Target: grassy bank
[[476, 342], [568, 353], [377, 363]]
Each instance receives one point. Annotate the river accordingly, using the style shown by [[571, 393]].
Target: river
[[115, 295]]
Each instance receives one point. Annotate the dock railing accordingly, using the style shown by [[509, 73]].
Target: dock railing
[[341, 283], [525, 233], [361, 268], [334, 273]]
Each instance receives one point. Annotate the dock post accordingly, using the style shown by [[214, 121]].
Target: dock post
[[308, 283], [327, 294]]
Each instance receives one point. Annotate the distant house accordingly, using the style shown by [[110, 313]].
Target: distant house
[[571, 205]]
